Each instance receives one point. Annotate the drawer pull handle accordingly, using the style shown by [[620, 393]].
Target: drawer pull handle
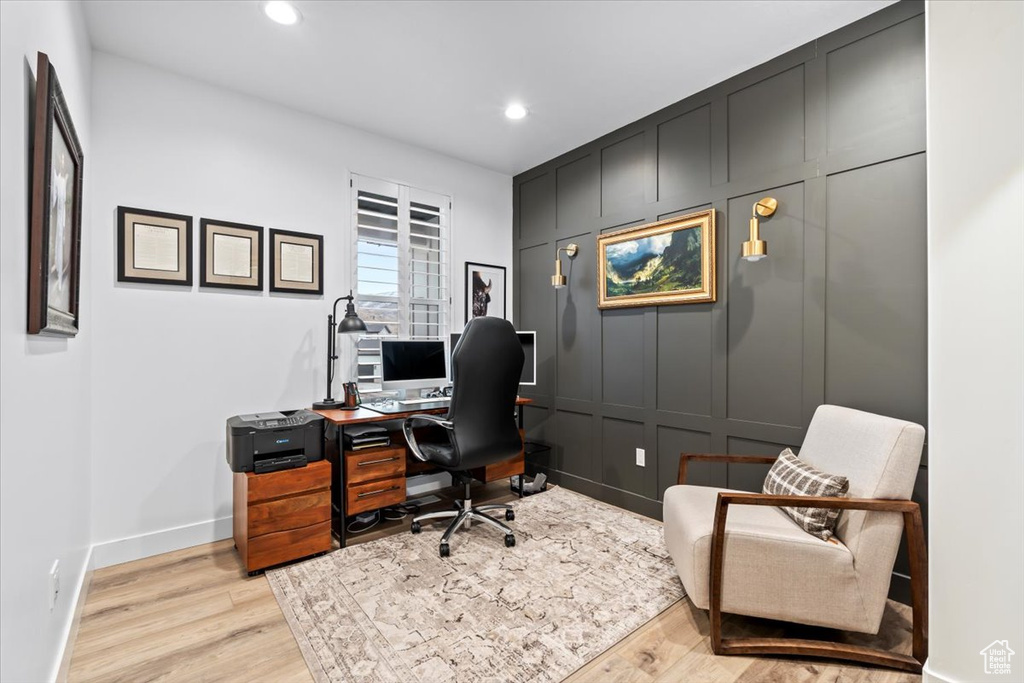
[[376, 462], [376, 493]]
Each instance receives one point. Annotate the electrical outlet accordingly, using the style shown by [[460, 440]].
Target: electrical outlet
[[640, 458], [54, 583]]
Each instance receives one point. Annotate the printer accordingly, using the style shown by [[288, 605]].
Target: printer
[[267, 442]]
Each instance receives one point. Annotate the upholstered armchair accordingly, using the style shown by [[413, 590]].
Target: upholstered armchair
[[739, 553]]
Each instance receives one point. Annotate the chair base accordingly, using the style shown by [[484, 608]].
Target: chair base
[[464, 517], [798, 647]]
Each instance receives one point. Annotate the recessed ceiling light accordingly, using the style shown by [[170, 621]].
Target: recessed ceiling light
[[515, 111], [282, 12]]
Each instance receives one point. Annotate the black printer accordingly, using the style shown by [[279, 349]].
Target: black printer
[[267, 442]]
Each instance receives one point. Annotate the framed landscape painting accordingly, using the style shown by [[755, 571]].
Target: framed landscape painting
[[668, 262]]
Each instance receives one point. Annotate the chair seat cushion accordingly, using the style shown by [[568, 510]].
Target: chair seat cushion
[[772, 568]]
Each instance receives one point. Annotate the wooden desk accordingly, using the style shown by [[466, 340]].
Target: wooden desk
[[374, 478]]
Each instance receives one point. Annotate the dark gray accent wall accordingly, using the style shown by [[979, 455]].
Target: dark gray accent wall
[[835, 131]]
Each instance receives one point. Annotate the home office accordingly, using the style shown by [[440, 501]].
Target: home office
[[758, 263]]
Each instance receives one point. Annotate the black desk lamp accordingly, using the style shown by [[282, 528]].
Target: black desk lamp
[[350, 324]]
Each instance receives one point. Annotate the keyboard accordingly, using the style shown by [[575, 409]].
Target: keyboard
[[417, 401]]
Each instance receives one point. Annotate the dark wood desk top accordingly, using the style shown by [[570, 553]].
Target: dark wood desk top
[[361, 415]]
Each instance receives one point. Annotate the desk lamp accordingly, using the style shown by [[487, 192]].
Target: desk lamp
[[350, 324]]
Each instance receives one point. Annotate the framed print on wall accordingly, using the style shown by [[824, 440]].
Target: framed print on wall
[[154, 247], [668, 262], [55, 231], [485, 291], [296, 262], [230, 255]]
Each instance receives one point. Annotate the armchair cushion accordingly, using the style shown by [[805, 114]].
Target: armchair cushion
[[790, 476], [772, 569]]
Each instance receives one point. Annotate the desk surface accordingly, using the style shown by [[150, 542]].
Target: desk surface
[[360, 415]]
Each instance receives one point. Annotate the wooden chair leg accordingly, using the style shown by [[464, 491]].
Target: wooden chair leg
[[821, 648]]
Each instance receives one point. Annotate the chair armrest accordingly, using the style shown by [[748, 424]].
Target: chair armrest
[[872, 504], [685, 458], [410, 437]]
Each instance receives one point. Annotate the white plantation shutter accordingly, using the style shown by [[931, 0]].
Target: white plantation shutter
[[401, 268]]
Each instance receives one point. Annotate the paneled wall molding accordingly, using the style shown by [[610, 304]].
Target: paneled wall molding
[[835, 131]]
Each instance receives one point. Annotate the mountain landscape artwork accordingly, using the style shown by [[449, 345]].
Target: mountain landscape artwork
[[662, 263]]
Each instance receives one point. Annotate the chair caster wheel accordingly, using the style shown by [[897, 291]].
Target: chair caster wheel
[[510, 540], [415, 527], [444, 550], [510, 515]]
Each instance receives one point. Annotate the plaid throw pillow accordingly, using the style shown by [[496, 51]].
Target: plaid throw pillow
[[791, 476]]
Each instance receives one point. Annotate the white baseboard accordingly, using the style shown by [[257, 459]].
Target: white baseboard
[[427, 483], [63, 664], [157, 542], [929, 676]]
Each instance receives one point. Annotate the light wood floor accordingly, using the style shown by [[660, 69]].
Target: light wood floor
[[194, 615]]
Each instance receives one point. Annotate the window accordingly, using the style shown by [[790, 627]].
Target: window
[[401, 268]]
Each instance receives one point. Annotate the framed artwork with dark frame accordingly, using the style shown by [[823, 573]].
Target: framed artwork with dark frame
[[296, 262], [230, 255], [154, 247], [668, 262], [55, 231], [485, 291]]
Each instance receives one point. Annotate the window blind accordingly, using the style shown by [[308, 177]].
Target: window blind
[[401, 268]]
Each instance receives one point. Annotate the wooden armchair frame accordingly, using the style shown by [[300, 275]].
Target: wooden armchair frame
[[816, 648]]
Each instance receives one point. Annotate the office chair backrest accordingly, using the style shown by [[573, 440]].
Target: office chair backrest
[[486, 367]]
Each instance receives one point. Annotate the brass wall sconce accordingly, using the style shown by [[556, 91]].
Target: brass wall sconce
[[558, 280], [756, 248]]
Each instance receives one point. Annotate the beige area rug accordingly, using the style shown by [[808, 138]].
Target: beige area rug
[[582, 576]]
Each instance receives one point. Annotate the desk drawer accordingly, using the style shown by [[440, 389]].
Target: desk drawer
[[285, 546], [293, 512], [374, 494], [375, 463], [315, 475]]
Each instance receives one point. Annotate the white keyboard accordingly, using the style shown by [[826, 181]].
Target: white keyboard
[[417, 401]]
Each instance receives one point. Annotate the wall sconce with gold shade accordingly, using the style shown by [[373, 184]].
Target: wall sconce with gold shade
[[558, 280], [756, 248]]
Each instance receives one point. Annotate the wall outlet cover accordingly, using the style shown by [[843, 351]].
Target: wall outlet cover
[[640, 458]]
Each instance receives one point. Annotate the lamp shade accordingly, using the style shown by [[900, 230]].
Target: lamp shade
[[351, 323]]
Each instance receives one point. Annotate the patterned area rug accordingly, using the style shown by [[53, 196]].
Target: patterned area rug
[[582, 576]]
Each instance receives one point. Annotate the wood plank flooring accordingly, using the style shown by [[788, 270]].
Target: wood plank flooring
[[194, 615]]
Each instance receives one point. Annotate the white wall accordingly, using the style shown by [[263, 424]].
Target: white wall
[[976, 334], [171, 364], [44, 396]]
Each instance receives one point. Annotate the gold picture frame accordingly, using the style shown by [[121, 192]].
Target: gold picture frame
[[668, 262]]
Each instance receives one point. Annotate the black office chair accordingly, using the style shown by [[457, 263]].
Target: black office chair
[[480, 425]]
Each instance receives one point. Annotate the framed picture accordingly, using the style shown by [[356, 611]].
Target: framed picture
[[668, 262], [230, 255], [296, 262], [485, 291], [154, 247], [55, 231]]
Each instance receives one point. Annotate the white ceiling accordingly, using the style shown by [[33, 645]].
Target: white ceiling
[[439, 74]]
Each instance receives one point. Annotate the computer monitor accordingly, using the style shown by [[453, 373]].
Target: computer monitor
[[412, 364], [529, 342]]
